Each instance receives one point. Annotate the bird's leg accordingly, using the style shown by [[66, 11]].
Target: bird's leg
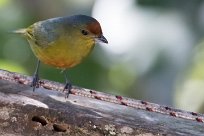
[[68, 85], [34, 83]]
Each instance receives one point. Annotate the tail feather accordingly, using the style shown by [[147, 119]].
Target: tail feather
[[20, 31]]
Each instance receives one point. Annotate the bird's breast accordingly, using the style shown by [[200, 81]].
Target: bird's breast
[[66, 52]]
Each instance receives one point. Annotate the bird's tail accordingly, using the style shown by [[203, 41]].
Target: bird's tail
[[26, 32], [20, 31]]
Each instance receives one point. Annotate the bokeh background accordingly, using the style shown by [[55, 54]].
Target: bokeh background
[[155, 49]]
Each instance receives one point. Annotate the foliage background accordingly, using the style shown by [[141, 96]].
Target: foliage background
[[155, 49]]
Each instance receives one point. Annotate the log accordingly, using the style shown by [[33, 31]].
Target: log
[[85, 112]]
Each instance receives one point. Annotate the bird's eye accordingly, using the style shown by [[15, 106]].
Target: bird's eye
[[84, 32]]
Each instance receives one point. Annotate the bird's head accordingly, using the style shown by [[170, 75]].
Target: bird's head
[[89, 28]]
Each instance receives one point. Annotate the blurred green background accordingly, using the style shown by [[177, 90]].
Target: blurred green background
[[155, 49]]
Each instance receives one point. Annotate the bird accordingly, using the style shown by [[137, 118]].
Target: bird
[[62, 42]]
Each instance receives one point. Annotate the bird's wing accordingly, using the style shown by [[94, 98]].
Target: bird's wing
[[43, 34]]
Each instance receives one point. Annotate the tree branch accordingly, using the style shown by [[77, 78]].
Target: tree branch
[[85, 112]]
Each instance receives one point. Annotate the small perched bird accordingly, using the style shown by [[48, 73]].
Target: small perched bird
[[62, 42]]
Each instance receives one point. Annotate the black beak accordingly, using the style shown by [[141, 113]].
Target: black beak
[[102, 39]]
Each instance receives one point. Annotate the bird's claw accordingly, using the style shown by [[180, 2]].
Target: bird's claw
[[35, 82], [67, 88]]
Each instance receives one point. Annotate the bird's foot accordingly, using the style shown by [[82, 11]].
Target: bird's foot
[[67, 89], [35, 82]]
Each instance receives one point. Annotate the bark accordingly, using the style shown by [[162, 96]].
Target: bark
[[85, 112]]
